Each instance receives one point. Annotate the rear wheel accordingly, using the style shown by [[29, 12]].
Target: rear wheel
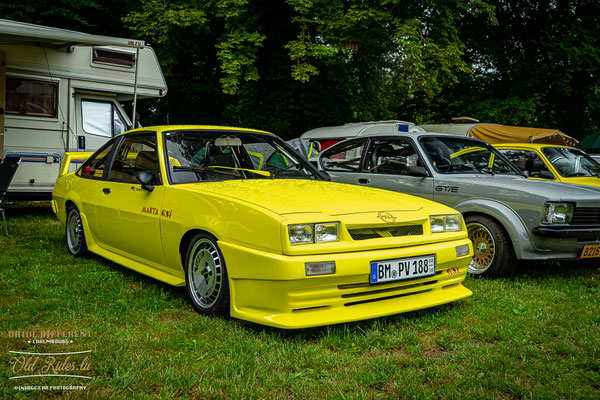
[[74, 232], [206, 276], [493, 254]]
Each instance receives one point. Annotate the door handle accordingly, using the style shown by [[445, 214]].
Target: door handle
[[106, 190], [363, 180]]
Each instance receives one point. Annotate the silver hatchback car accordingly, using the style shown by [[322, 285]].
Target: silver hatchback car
[[509, 217]]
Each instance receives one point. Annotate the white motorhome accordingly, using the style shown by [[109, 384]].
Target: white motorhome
[[62, 91]]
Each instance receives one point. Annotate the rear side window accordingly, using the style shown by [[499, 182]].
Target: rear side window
[[344, 158], [392, 157], [527, 160], [95, 166], [102, 118], [31, 97]]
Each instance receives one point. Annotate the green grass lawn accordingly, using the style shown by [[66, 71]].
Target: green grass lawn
[[536, 335]]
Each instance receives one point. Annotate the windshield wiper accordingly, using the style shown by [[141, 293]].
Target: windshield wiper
[[254, 171], [487, 171]]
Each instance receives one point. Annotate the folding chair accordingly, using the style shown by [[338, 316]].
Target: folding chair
[[8, 167]]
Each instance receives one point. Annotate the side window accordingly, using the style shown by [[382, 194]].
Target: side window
[[30, 97], [101, 118], [95, 166], [526, 160], [345, 158], [392, 157], [136, 153]]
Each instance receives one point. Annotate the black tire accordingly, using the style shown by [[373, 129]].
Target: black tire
[[75, 236], [493, 252], [206, 279]]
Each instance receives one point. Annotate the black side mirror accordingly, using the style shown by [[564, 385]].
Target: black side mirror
[[417, 171], [545, 174], [147, 179]]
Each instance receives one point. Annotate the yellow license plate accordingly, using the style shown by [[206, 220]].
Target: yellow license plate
[[591, 251]]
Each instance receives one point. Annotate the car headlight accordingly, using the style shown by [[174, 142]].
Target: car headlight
[[445, 223], [327, 232], [557, 213], [314, 233]]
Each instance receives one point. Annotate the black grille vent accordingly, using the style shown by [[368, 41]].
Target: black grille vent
[[381, 232], [586, 216]]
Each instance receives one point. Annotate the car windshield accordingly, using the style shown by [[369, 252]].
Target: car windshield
[[197, 156], [456, 155], [571, 162]]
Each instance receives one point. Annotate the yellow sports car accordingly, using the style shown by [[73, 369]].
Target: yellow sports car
[[256, 232], [556, 163]]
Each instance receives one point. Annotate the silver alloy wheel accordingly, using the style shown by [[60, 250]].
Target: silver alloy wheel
[[205, 273], [484, 248], [74, 231]]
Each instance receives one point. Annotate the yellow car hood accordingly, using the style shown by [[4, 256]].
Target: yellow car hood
[[588, 181], [288, 196]]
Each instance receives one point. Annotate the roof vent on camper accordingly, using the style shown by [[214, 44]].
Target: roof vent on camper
[[109, 57]]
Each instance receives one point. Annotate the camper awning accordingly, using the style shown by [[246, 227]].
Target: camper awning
[[492, 133], [13, 32]]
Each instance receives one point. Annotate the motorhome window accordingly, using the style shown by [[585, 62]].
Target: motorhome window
[[102, 118], [112, 57], [31, 97]]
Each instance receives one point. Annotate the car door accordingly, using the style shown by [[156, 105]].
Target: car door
[[387, 166], [129, 216]]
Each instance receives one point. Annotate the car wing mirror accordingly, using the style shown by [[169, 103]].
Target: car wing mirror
[[418, 171], [545, 174], [147, 179]]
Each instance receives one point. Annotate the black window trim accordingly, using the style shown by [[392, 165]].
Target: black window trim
[[408, 139], [114, 155], [114, 141], [327, 151]]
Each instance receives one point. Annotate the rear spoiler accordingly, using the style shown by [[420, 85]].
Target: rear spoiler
[[73, 156]]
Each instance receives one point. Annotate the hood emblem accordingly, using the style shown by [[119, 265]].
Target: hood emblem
[[386, 217]]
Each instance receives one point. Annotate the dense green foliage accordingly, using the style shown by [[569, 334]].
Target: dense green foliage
[[293, 65]]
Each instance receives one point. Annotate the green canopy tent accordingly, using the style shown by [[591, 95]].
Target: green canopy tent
[[590, 142]]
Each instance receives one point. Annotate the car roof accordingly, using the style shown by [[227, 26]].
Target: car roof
[[538, 146], [165, 128]]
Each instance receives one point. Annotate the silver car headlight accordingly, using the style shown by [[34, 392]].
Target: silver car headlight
[[327, 232], [301, 233], [557, 213], [445, 223], [314, 233]]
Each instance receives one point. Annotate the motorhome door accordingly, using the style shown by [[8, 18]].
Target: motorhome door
[[99, 118]]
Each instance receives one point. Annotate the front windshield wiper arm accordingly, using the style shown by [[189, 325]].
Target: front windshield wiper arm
[[254, 171], [487, 171]]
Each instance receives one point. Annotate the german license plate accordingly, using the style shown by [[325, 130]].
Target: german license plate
[[402, 268], [591, 251]]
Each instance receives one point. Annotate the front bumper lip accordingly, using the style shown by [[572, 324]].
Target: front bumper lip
[[568, 231]]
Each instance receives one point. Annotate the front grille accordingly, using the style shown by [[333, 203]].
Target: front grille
[[586, 216], [386, 231], [362, 293]]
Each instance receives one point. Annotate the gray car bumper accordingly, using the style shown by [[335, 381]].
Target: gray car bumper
[[584, 232]]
